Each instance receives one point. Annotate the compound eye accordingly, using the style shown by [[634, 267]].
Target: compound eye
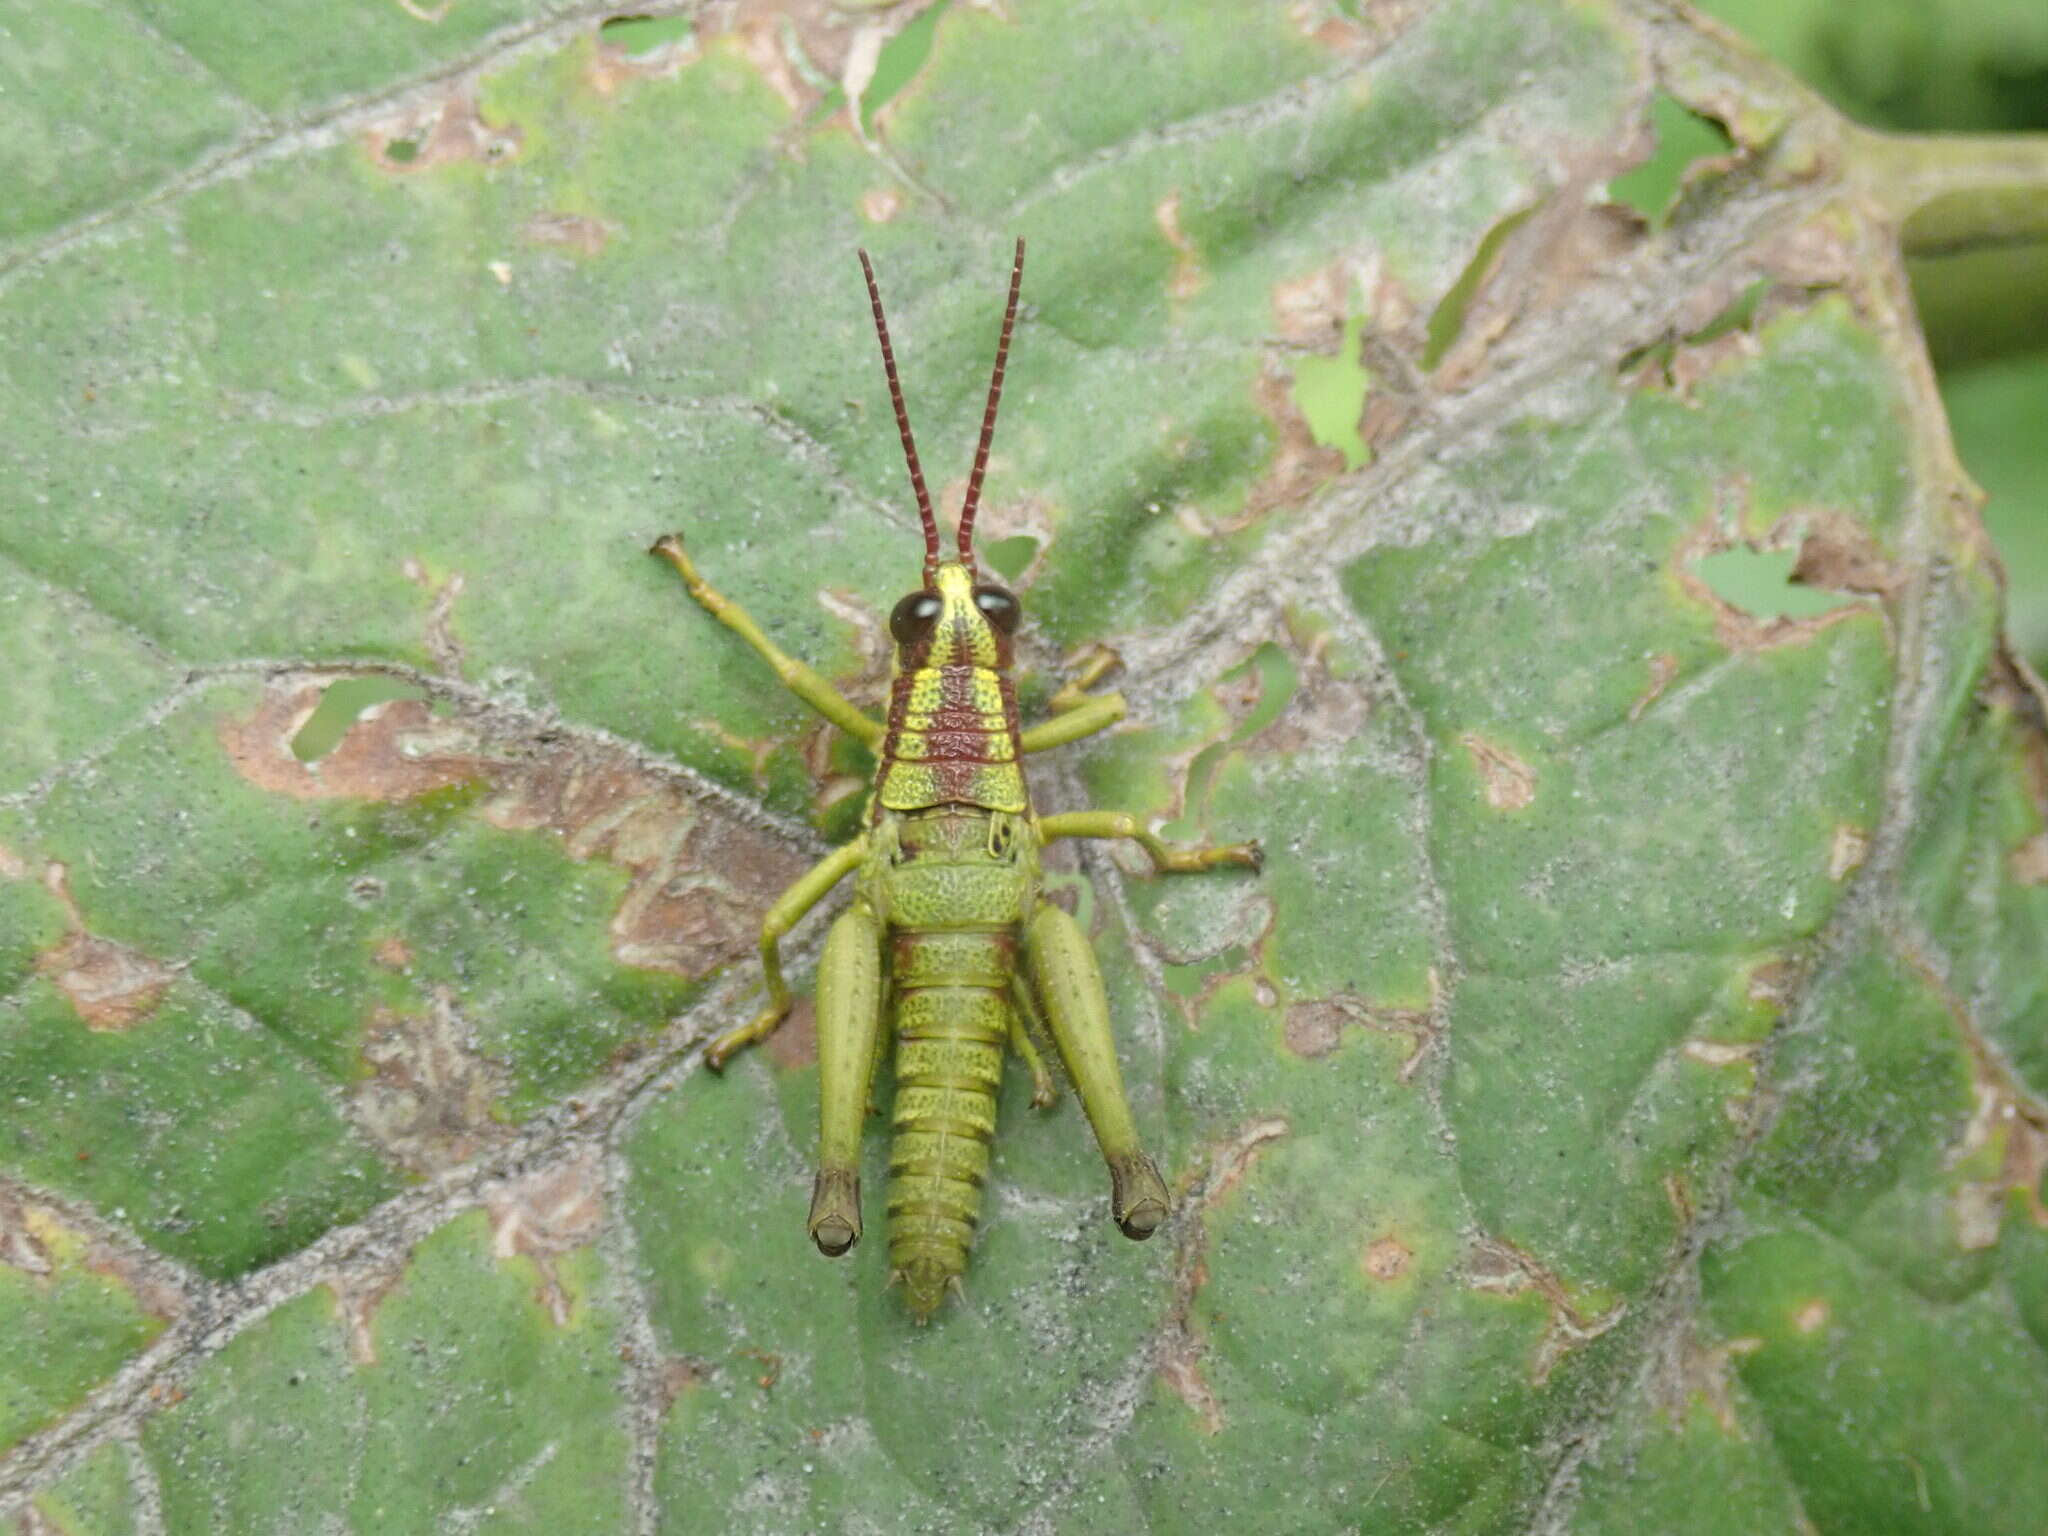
[[998, 607], [911, 620]]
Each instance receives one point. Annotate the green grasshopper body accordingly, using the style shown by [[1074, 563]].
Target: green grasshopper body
[[948, 934]]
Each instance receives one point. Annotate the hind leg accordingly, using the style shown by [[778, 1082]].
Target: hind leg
[[849, 1025], [1069, 983]]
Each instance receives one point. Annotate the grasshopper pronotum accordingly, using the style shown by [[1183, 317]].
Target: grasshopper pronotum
[[947, 903]]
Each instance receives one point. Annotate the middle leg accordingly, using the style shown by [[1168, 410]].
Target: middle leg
[[791, 905], [1166, 860]]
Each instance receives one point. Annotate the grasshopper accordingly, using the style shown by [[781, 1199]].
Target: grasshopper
[[949, 931]]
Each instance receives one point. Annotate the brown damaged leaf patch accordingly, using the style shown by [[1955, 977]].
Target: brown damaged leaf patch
[[1314, 1027], [878, 205], [803, 48], [110, 985], [568, 232], [1663, 668], [2009, 1128], [1737, 629], [33, 1232], [613, 68], [22, 1245], [1509, 783], [357, 1295], [1180, 1347], [545, 1215], [1187, 277], [795, 1043], [1300, 466], [1566, 242], [1794, 271], [1026, 515], [1501, 1267], [427, 1100], [700, 878], [1846, 851], [680, 1374], [394, 750], [1838, 554], [1378, 23], [1309, 311], [1386, 1258], [1324, 709], [2014, 687], [1538, 256], [1685, 1371], [445, 130]]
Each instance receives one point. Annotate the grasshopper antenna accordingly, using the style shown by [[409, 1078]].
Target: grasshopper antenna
[[924, 498], [988, 420]]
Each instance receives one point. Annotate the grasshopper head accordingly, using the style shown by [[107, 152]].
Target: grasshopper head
[[955, 621]]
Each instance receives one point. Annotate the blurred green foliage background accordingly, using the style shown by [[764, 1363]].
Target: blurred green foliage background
[[1954, 66]]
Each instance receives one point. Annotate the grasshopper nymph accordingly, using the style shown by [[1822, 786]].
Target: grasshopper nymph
[[948, 931]]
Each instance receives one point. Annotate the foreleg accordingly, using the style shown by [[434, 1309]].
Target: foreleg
[[1075, 711], [796, 677]]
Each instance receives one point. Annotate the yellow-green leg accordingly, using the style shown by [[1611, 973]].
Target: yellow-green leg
[[1025, 1019], [1165, 859], [789, 907], [796, 677], [1069, 983], [1076, 712], [849, 1024]]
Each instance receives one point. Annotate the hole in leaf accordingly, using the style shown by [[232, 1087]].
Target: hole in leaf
[[900, 59], [1331, 394], [1278, 679], [1448, 319], [1759, 583], [644, 34], [1683, 138], [339, 708], [402, 151], [1009, 558], [1201, 772], [1736, 317]]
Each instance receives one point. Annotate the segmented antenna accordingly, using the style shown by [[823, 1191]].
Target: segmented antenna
[[924, 499], [988, 420]]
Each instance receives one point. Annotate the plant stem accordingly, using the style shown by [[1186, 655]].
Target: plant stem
[[1956, 192]]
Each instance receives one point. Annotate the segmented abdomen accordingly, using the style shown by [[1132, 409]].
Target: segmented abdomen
[[952, 1016]]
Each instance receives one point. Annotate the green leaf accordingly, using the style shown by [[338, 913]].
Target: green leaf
[[1627, 1077]]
